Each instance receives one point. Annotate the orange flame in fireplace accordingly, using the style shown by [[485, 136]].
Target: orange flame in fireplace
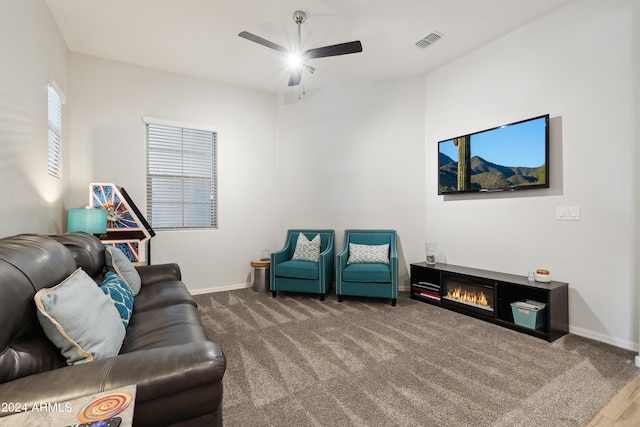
[[460, 294]]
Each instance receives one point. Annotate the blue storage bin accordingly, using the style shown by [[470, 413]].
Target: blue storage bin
[[528, 313]]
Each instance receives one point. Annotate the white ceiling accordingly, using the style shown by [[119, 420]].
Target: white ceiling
[[200, 37]]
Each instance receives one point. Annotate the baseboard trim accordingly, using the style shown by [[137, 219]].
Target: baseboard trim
[[201, 291], [627, 345]]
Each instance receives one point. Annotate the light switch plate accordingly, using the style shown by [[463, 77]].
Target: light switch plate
[[568, 213]]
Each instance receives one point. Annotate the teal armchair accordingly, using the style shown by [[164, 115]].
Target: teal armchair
[[296, 275], [365, 267]]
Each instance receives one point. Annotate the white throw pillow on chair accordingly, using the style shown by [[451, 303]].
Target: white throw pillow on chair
[[368, 254], [307, 250]]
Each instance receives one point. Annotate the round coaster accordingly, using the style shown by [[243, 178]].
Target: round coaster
[[105, 407]]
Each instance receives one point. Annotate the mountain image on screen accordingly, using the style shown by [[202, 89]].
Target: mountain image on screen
[[505, 158], [487, 175]]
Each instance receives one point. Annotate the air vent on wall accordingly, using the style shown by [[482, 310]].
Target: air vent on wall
[[429, 40]]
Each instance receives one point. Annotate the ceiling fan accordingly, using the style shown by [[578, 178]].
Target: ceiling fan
[[297, 58]]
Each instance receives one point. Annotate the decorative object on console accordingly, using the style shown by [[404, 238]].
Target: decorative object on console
[[542, 275], [431, 249], [127, 228], [92, 221]]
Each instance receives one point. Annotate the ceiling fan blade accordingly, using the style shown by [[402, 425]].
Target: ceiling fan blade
[[334, 50], [295, 77], [263, 42]]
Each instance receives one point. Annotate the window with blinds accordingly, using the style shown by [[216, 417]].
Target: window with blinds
[[54, 138], [181, 177]]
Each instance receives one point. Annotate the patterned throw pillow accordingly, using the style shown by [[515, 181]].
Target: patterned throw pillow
[[120, 294], [307, 250], [368, 254]]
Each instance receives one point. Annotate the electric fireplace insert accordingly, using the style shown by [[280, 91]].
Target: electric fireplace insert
[[471, 294]]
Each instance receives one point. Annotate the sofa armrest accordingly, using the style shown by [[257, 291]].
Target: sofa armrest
[[159, 272], [164, 371], [158, 373], [57, 385]]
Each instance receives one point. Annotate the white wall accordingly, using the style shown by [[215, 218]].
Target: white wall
[[32, 199], [352, 157], [575, 64], [108, 100]]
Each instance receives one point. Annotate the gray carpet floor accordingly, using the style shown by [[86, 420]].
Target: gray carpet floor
[[298, 361]]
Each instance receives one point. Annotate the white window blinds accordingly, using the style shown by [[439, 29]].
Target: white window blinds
[[54, 138], [181, 177]]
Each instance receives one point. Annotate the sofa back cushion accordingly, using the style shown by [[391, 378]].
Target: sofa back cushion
[[28, 263], [86, 249]]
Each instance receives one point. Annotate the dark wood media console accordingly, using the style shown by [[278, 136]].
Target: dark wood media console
[[492, 295]]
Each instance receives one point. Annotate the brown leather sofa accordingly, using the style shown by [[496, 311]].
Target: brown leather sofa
[[166, 353]]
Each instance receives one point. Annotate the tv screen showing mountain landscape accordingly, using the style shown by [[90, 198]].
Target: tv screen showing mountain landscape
[[509, 157]]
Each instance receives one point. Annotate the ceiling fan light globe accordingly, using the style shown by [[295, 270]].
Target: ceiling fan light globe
[[294, 61]]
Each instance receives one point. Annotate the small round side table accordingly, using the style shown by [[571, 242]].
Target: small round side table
[[260, 275]]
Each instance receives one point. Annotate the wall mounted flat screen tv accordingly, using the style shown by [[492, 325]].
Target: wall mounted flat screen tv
[[506, 158]]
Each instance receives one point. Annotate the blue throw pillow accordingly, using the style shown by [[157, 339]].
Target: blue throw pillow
[[121, 296], [79, 319]]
